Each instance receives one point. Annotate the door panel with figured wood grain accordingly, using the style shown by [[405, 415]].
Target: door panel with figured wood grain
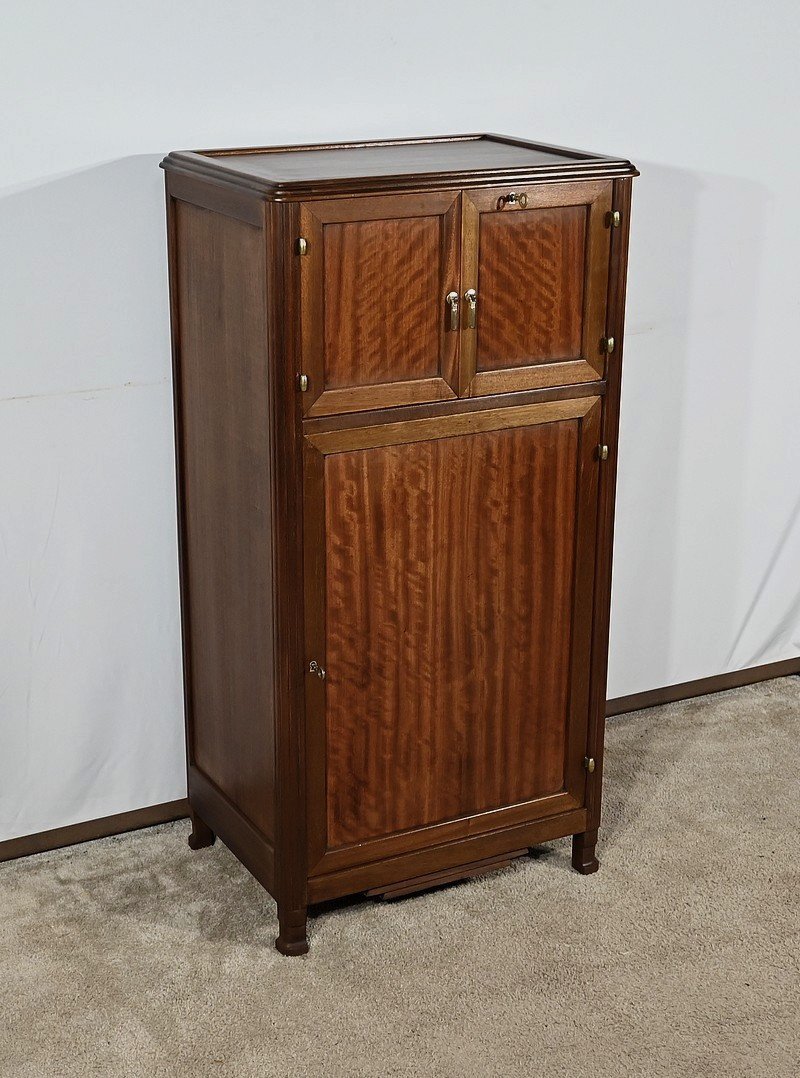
[[445, 556], [374, 282], [531, 307], [539, 267]]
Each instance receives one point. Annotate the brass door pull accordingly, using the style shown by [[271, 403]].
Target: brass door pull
[[471, 299], [451, 299]]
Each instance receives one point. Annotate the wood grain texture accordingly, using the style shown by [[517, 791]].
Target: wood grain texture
[[226, 526], [438, 857], [435, 553], [447, 426], [373, 287], [541, 275], [617, 283], [286, 448], [438, 879], [387, 395], [219, 197], [449, 575], [224, 818], [382, 304], [530, 284], [455, 406], [571, 372], [330, 169]]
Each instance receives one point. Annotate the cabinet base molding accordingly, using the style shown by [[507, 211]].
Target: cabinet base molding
[[212, 812], [438, 879], [435, 860]]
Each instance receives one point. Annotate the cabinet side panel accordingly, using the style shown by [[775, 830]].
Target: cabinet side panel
[[221, 371]]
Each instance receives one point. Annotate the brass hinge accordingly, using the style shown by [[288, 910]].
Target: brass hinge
[[302, 246], [588, 763], [602, 452], [608, 344], [613, 219], [302, 383]]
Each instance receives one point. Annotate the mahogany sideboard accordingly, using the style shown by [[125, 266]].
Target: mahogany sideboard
[[397, 381]]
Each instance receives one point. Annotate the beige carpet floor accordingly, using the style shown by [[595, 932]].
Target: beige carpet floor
[[133, 956]]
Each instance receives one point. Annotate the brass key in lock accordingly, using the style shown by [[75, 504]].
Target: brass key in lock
[[471, 299], [451, 299], [513, 198]]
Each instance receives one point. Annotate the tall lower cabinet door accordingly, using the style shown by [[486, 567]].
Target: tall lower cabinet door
[[448, 579]]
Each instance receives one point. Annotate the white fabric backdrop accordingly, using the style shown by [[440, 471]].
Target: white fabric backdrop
[[702, 96]]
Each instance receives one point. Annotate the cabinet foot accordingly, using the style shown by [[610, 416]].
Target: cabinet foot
[[201, 835], [292, 939], [583, 853]]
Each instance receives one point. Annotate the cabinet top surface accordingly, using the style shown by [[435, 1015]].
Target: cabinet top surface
[[335, 168]]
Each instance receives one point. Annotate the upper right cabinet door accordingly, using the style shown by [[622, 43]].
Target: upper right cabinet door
[[534, 282]]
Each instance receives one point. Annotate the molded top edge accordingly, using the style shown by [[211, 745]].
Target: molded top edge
[[387, 164]]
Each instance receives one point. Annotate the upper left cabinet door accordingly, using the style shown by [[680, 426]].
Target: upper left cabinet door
[[377, 327]]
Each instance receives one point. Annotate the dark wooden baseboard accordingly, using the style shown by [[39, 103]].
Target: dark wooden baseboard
[[178, 810], [91, 829], [669, 694]]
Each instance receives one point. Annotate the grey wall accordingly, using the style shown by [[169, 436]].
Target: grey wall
[[702, 96]]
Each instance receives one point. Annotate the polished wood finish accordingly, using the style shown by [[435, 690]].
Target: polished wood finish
[[437, 854], [91, 830], [291, 869], [615, 325], [584, 859], [380, 323], [540, 270], [448, 426], [457, 406], [373, 285], [220, 273], [326, 170], [201, 835], [439, 879], [459, 703], [225, 431], [531, 261], [428, 524]]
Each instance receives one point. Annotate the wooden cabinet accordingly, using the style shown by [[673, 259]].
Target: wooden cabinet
[[397, 375]]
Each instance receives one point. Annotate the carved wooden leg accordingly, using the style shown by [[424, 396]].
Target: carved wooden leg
[[583, 856], [292, 939], [201, 835]]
